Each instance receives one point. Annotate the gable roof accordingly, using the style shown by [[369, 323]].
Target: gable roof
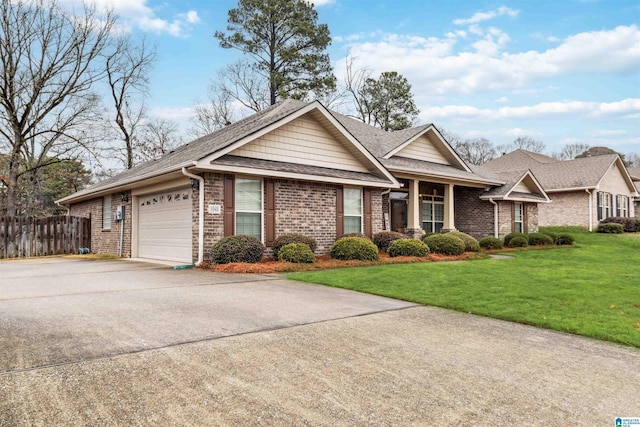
[[384, 144], [509, 191], [634, 173], [372, 146], [559, 175]]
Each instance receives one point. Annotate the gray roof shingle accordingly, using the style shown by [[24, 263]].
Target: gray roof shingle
[[555, 174]]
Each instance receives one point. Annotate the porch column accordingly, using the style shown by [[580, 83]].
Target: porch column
[[414, 228], [449, 213]]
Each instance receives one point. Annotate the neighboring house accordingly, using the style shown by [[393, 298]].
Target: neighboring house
[[635, 176], [582, 191], [296, 167]]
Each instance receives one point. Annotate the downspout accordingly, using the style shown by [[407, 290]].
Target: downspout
[[495, 217], [200, 213], [590, 209]]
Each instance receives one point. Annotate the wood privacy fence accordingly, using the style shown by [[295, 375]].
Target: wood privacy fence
[[54, 235]]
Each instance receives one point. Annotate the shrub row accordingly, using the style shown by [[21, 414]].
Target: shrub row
[[537, 239], [629, 225], [298, 248]]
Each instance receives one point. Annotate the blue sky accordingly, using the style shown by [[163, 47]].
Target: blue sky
[[561, 71]]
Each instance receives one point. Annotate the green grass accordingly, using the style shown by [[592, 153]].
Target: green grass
[[591, 289]]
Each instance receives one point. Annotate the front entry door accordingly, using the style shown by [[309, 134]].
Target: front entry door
[[398, 215]]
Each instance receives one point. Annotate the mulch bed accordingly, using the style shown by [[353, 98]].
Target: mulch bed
[[267, 266]]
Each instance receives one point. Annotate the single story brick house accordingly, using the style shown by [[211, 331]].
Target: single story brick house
[[297, 167], [582, 191]]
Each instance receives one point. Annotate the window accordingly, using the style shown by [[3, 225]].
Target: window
[[352, 210], [106, 212], [622, 205], [518, 218], [432, 213], [248, 213], [604, 205]]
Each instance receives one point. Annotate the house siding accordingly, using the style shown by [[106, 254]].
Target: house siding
[[106, 241], [567, 208], [473, 215], [614, 183]]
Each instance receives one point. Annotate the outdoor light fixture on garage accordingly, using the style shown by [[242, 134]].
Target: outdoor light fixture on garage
[[124, 197]]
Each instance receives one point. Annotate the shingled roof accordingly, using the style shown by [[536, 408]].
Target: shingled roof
[[511, 180], [556, 175], [376, 141]]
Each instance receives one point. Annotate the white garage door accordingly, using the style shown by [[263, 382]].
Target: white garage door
[[164, 225]]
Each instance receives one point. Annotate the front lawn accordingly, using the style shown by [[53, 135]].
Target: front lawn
[[592, 289]]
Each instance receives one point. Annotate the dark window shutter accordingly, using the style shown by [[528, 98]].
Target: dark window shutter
[[368, 228], [525, 227], [513, 217], [229, 205], [270, 213], [339, 212]]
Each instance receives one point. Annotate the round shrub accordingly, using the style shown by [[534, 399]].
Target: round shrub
[[628, 224], [565, 239], [298, 253], [637, 225], [237, 249], [490, 243], [408, 247], [359, 248], [539, 239], [553, 236], [611, 228], [446, 244], [508, 237], [285, 239], [384, 238], [518, 242], [470, 243], [362, 236]]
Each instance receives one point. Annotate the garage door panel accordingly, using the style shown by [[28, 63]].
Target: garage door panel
[[165, 225]]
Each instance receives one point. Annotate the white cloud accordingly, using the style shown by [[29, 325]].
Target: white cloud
[[622, 109], [433, 67], [319, 3], [485, 16], [521, 132], [502, 99], [136, 13]]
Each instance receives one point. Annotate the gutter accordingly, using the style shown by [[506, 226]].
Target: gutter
[[590, 209], [495, 217], [200, 213]]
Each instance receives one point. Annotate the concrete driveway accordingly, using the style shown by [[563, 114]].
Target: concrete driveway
[[126, 343]]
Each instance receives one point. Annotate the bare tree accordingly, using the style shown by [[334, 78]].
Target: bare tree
[[354, 81], [571, 151], [157, 138], [633, 160], [523, 143], [476, 151], [50, 62], [127, 67]]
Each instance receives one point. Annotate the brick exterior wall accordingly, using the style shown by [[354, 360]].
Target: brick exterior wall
[[473, 215], [106, 241], [301, 207], [567, 208]]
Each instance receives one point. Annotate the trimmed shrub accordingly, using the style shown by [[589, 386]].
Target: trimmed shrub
[[628, 224], [470, 243], [539, 239], [354, 248], [637, 225], [237, 249], [490, 243], [362, 236], [553, 236], [508, 237], [384, 238], [565, 239], [285, 239], [518, 242], [298, 253], [446, 244], [611, 228], [408, 247]]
